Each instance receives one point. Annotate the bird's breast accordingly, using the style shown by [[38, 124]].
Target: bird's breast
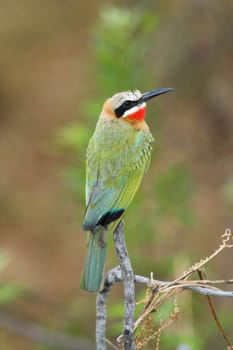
[[118, 145]]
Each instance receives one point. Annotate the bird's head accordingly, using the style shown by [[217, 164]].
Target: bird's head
[[130, 106]]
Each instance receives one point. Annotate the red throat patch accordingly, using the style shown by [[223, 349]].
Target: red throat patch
[[138, 115]]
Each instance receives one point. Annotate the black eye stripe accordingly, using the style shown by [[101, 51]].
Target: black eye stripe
[[124, 107], [127, 103]]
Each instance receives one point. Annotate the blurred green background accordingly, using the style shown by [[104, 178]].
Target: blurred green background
[[59, 60]]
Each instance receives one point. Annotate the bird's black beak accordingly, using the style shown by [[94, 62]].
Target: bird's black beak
[[151, 94]]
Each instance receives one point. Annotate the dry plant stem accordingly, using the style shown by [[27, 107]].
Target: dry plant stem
[[127, 337], [166, 291], [213, 311], [226, 238]]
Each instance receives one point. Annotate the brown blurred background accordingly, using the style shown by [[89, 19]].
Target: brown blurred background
[[46, 74]]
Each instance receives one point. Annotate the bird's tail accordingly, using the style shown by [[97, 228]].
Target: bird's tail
[[93, 271]]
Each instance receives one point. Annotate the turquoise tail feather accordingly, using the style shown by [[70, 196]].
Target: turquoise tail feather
[[93, 271]]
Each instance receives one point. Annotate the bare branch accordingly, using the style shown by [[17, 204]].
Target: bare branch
[[210, 292], [101, 318], [199, 286], [129, 289]]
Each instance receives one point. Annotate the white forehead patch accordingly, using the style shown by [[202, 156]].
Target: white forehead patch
[[120, 97], [134, 109]]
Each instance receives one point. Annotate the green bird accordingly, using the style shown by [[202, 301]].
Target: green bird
[[118, 156]]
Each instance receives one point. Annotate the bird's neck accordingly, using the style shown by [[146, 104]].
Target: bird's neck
[[136, 123]]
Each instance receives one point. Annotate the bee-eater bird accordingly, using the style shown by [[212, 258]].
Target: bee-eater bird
[[117, 157]]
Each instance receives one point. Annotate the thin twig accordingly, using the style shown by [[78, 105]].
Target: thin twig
[[226, 237], [210, 292], [129, 288], [111, 344], [213, 311]]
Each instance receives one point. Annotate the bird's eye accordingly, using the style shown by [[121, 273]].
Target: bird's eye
[[127, 104], [123, 108]]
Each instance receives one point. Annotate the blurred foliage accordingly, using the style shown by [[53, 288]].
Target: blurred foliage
[[4, 260], [73, 137], [9, 292], [121, 43], [174, 340], [173, 190], [228, 192]]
